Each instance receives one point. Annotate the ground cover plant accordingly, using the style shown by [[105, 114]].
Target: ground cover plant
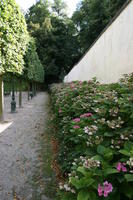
[[94, 127]]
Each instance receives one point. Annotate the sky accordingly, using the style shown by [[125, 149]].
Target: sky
[[25, 4]]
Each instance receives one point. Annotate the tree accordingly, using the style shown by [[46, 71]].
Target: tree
[[34, 70], [56, 41], [113, 6], [37, 13], [59, 7], [61, 41], [91, 17], [13, 41]]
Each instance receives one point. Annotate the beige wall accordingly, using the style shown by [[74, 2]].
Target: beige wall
[[112, 55]]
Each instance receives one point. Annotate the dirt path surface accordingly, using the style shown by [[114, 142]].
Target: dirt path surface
[[19, 148]]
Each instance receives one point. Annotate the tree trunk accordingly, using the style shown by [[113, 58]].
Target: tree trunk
[[20, 94], [1, 100], [36, 88]]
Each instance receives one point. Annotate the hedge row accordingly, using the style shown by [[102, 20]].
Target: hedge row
[[94, 124]]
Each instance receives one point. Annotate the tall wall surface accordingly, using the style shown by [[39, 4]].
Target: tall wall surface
[[111, 55]]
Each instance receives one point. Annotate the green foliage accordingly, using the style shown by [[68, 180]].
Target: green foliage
[[113, 6], [34, 70], [95, 134], [37, 13], [91, 17], [61, 40], [8, 82], [59, 7], [56, 39], [13, 37]]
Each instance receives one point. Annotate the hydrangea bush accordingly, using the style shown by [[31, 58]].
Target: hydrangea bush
[[94, 124]]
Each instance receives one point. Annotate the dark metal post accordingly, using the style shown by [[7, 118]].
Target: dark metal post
[[1, 100], [35, 88], [31, 90], [28, 88], [20, 94], [13, 102]]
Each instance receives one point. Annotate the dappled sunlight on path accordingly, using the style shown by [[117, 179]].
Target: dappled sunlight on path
[[4, 126]]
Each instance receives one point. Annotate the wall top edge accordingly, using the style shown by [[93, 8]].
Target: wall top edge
[[104, 30]]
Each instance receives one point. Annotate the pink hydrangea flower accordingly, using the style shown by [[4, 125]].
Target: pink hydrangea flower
[[100, 190], [124, 169], [76, 120], [76, 127], [86, 115], [105, 189], [72, 85], [60, 111], [118, 167], [121, 167]]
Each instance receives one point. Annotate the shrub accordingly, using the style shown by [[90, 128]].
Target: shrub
[[95, 133]]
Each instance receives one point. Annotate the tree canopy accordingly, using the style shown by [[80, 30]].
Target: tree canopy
[[55, 37], [13, 37], [59, 7], [61, 40], [91, 17], [34, 70]]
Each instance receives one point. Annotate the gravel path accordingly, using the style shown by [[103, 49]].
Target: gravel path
[[19, 148]]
